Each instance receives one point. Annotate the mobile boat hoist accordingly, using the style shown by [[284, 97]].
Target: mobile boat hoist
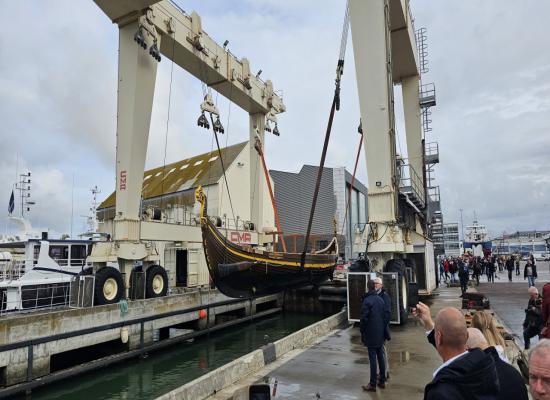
[[148, 31], [394, 240]]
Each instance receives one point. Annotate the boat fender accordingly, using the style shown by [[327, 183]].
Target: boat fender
[[202, 314], [124, 336]]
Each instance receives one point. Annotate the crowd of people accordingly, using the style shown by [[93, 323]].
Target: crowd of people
[[475, 365], [461, 269]]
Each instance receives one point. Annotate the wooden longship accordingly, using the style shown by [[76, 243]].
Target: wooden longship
[[242, 272]]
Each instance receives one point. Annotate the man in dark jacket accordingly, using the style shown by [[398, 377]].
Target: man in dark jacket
[[378, 286], [545, 310], [533, 323], [512, 386], [463, 275], [490, 271], [372, 335], [510, 263], [477, 270], [530, 272], [464, 375]]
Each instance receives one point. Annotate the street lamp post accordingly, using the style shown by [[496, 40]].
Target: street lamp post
[[462, 225]]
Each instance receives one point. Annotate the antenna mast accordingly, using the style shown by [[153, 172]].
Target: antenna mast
[[24, 188], [92, 218]]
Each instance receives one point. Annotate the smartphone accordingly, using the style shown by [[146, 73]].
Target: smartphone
[[259, 392]]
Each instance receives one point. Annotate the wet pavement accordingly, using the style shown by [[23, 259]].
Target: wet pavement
[[509, 299], [337, 366]]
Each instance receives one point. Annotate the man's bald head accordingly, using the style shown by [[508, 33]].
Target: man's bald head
[[451, 327], [476, 339]]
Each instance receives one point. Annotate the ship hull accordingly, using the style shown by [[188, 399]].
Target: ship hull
[[240, 272]]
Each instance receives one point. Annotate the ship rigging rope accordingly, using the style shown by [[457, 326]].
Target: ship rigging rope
[[335, 106], [259, 149], [352, 182], [226, 143], [223, 169]]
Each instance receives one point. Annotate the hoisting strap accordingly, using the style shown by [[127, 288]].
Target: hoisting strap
[[319, 176], [335, 106]]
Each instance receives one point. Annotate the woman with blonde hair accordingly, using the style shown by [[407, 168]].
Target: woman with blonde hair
[[487, 325]]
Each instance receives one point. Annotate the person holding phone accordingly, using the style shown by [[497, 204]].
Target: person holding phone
[[464, 375]]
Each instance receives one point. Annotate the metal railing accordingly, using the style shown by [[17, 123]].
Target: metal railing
[[11, 269], [411, 183], [182, 215], [431, 148], [32, 382], [37, 297], [427, 90], [434, 194]]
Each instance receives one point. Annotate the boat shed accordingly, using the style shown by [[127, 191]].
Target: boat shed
[[168, 196]]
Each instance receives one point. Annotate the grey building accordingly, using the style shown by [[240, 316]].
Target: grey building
[[294, 194], [523, 242], [450, 239]]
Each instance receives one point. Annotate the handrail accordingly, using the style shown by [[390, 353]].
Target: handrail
[[409, 178], [427, 89], [434, 193], [57, 295], [80, 332], [431, 148]]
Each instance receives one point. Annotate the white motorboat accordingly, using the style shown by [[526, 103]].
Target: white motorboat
[[37, 273]]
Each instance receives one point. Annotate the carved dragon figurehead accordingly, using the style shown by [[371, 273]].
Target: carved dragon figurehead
[[200, 197]]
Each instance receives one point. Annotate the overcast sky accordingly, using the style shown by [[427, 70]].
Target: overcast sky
[[490, 61]]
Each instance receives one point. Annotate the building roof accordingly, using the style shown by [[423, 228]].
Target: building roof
[[204, 169]]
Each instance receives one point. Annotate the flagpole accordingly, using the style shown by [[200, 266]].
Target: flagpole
[[72, 207]]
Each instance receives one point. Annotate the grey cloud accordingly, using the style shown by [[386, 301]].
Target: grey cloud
[[487, 58]]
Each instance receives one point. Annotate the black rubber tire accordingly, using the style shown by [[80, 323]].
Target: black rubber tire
[[398, 265], [152, 276], [112, 277]]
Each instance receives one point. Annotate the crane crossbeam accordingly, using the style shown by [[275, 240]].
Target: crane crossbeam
[[183, 41]]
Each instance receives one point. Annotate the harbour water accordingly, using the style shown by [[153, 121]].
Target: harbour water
[[168, 369]]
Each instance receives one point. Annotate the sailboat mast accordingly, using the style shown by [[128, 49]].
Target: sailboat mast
[[258, 147]]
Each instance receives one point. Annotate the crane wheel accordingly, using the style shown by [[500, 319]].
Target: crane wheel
[[156, 282], [109, 286]]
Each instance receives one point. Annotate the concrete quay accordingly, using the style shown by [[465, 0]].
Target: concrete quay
[[27, 348], [219, 380], [331, 365]]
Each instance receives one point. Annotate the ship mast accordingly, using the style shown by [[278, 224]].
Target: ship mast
[[91, 220], [24, 188]]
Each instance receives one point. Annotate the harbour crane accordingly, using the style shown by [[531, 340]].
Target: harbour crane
[[150, 30], [395, 240]]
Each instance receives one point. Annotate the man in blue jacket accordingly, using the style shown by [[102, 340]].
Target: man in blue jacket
[[379, 287], [372, 335]]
